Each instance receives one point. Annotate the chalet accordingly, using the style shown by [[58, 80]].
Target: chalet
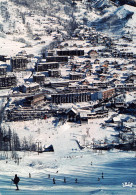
[[29, 88], [119, 102], [34, 100], [22, 53], [72, 115], [39, 78], [93, 54], [19, 63], [117, 120], [50, 53], [44, 66], [88, 63], [8, 80], [57, 59], [47, 53], [85, 82], [130, 54], [114, 63], [70, 53], [3, 58], [115, 75], [88, 72], [74, 67], [132, 76], [99, 112], [126, 55], [103, 78], [96, 61], [3, 70], [75, 76], [101, 109], [83, 117], [54, 73], [70, 97], [106, 62], [115, 54]]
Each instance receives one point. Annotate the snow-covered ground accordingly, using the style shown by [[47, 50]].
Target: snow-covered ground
[[86, 166], [53, 131], [67, 161]]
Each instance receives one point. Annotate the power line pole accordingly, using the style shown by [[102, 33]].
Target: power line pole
[[38, 146]]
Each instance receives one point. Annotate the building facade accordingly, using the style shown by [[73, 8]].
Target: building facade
[[19, 63], [108, 93], [54, 73], [29, 88], [70, 98], [39, 78], [70, 53], [7, 81], [75, 76], [44, 66], [34, 100], [57, 59], [3, 70]]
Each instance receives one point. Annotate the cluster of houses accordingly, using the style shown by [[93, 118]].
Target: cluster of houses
[[74, 75]]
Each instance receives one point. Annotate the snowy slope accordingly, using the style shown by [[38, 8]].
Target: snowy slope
[[67, 161], [113, 18], [107, 16], [29, 23]]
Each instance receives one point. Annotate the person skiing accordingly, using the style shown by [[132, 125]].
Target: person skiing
[[54, 181], [16, 181], [49, 176], [64, 180]]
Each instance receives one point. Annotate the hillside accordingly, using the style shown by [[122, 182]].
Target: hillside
[[30, 22]]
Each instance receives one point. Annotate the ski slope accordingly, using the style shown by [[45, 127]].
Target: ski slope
[[70, 162], [117, 170]]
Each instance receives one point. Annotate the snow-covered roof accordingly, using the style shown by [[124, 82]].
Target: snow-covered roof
[[71, 109], [30, 85]]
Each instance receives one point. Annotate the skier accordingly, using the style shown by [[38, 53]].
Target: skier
[[29, 175], [53, 180], [16, 181], [48, 176], [102, 176], [64, 180], [76, 180]]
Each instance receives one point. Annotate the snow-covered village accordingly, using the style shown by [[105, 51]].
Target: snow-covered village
[[67, 97]]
